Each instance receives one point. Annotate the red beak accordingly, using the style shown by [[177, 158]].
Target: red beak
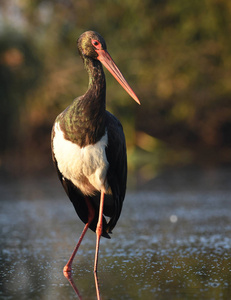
[[105, 58]]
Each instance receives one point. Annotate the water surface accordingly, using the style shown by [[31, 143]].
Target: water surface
[[173, 241]]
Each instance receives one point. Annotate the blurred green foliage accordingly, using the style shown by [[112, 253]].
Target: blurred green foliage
[[175, 54]]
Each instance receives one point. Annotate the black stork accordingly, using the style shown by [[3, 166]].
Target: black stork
[[88, 147]]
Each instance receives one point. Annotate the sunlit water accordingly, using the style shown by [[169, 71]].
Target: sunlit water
[[173, 241]]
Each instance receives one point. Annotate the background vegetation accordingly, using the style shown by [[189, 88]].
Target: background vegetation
[[175, 54]]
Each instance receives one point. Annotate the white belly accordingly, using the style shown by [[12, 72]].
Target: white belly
[[77, 164]]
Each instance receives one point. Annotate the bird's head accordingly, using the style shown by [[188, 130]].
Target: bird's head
[[92, 45], [88, 44]]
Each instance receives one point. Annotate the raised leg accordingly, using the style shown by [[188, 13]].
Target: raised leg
[[91, 214], [99, 230]]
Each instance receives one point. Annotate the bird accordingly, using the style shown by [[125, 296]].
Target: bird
[[89, 147]]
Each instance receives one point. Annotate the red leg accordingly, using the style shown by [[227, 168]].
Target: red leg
[[91, 214], [99, 230]]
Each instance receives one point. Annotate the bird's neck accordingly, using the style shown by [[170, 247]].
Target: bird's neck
[[84, 120], [97, 83]]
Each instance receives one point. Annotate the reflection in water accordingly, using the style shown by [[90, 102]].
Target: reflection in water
[[68, 275], [174, 244]]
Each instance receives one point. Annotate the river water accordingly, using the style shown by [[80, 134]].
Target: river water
[[173, 241]]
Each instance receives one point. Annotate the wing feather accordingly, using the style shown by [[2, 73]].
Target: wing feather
[[117, 172]]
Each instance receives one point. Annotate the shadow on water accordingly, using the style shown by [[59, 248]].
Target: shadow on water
[[173, 240]]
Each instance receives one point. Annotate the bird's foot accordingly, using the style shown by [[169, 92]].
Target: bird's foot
[[67, 270]]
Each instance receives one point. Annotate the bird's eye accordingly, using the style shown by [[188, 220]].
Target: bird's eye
[[96, 44]]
